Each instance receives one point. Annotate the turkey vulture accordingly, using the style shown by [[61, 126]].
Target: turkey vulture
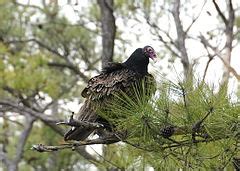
[[100, 90]]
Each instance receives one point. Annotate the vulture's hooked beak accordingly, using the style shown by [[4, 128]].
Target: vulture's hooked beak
[[153, 56]]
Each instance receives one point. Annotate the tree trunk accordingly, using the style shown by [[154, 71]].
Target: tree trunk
[[108, 30], [181, 37], [229, 23]]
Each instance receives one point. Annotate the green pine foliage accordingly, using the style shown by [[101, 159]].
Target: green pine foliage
[[24, 69], [179, 106]]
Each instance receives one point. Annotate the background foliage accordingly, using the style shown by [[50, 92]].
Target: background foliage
[[49, 50]]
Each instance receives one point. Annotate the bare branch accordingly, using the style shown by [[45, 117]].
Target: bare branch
[[4, 158], [41, 44], [229, 27], [218, 53], [13, 121], [12, 164], [210, 58], [197, 126], [48, 121], [23, 109], [68, 65], [220, 13], [26, 110], [181, 38], [75, 144], [229, 23], [28, 6], [71, 67], [195, 19], [206, 68], [166, 43], [22, 141]]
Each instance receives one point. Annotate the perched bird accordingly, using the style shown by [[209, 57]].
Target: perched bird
[[100, 90]]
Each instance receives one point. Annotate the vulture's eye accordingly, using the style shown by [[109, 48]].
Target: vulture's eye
[[150, 50]]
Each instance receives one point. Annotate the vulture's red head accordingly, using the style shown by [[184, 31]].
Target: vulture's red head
[[149, 52], [139, 59]]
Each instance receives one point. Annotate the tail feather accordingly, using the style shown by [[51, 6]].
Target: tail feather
[[86, 113], [78, 134]]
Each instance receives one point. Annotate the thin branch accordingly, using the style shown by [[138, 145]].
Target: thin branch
[[187, 143], [206, 68], [106, 160], [197, 126], [195, 19], [176, 145], [4, 158], [220, 12], [68, 65], [41, 44], [71, 67], [48, 121], [26, 110], [113, 138], [210, 58], [28, 6], [23, 138], [75, 144], [13, 121], [23, 109], [139, 147], [218, 53], [166, 43], [12, 164]]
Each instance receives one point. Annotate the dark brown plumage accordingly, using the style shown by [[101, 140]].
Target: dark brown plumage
[[115, 78]]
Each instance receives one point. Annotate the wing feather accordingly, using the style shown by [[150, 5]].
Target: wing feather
[[106, 84], [99, 91]]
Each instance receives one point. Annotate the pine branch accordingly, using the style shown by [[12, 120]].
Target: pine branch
[[197, 126], [114, 138]]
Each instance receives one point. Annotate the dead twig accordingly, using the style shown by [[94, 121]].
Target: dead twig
[[197, 126], [73, 145]]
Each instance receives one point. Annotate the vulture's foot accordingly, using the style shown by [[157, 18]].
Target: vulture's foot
[[76, 123]]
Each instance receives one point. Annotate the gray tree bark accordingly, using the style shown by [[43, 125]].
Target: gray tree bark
[[181, 37], [108, 30], [229, 23], [12, 164]]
